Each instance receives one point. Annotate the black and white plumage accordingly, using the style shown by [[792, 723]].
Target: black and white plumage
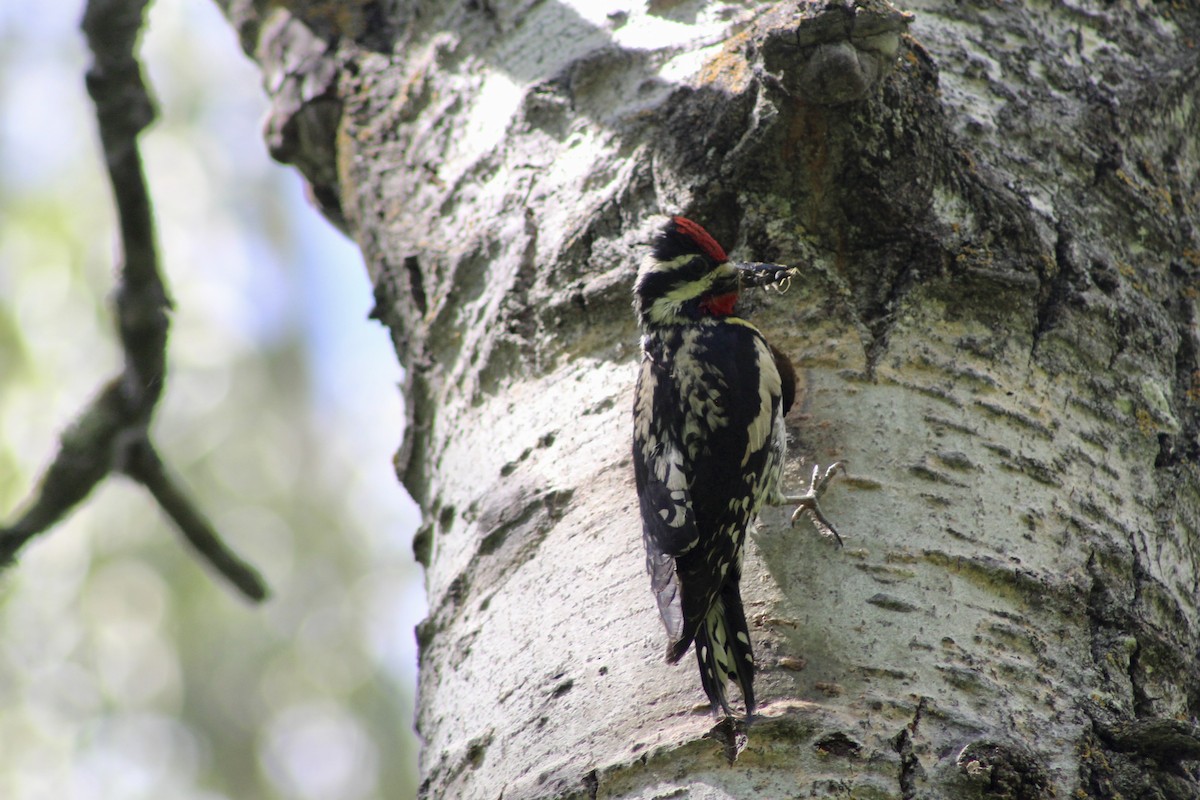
[[708, 446]]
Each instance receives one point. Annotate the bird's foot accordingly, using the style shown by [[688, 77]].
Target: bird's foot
[[807, 504]]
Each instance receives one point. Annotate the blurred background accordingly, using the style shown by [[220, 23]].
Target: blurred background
[[127, 670]]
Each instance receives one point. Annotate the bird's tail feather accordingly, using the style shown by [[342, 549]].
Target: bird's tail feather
[[723, 651]]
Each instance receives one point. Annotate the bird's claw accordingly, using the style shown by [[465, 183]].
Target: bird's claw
[[807, 504]]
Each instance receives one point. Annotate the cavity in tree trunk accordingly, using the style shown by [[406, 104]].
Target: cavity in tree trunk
[[994, 208]]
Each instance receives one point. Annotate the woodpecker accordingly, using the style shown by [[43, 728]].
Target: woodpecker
[[708, 446]]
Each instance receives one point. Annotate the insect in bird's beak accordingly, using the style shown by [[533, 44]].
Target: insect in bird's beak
[[757, 274]]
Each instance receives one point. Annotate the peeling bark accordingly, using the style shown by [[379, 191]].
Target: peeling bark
[[995, 207]]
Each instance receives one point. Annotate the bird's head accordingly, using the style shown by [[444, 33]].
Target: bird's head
[[687, 277]]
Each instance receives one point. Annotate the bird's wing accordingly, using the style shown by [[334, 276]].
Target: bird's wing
[[660, 470]]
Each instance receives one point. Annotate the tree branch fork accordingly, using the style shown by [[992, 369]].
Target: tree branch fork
[[112, 433]]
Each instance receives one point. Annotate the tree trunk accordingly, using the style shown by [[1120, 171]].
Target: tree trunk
[[997, 329]]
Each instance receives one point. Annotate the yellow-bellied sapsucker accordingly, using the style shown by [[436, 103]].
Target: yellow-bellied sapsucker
[[708, 446]]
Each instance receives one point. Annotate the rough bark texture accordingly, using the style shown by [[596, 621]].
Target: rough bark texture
[[998, 330]]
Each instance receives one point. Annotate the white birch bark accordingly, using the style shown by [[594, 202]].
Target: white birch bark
[[997, 330]]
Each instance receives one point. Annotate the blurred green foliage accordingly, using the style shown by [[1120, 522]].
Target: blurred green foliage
[[126, 669]]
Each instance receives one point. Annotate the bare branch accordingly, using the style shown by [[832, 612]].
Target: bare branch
[[145, 466], [83, 460], [112, 432]]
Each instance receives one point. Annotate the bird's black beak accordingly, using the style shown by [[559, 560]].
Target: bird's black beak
[[755, 274]]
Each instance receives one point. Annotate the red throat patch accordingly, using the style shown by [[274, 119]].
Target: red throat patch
[[720, 305]]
